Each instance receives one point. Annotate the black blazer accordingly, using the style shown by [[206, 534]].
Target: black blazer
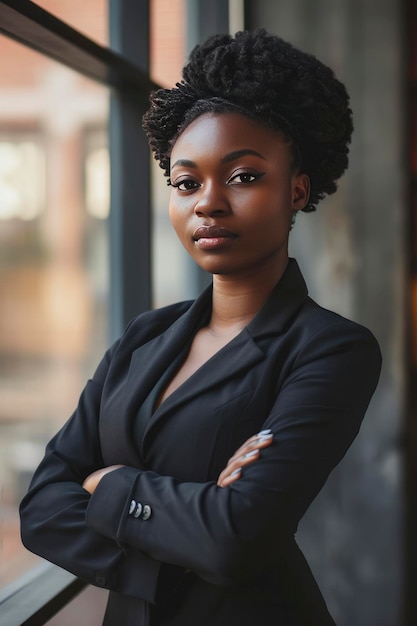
[[172, 547]]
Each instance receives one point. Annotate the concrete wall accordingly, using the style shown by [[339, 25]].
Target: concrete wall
[[352, 255]]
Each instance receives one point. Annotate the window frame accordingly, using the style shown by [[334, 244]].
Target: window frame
[[38, 595]]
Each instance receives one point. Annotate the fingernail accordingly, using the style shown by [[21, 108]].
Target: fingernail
[[264, 432], [251, 453], [265, 438], [236, 472]]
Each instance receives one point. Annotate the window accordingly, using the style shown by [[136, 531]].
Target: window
[[54, 202], [54, 255]]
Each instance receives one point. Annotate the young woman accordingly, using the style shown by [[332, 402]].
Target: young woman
[[210, 426]]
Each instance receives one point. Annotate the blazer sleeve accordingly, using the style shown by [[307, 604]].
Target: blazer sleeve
[[54, 509], [230, 534]]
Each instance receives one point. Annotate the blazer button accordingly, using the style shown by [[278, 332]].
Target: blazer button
[[132, 507], [146, 513], [138, 511]]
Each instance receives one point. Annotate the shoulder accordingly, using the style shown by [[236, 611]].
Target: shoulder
[[318, 319], [152, 323], [325, 331], [141, 329], [162, 317]]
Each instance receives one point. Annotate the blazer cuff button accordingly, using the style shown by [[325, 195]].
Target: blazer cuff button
[[146, 513], [138, 511]]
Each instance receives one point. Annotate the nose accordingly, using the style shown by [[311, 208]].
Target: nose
[[212, 201]]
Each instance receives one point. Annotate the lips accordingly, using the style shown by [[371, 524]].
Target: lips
[[213, 238], [213, 232]]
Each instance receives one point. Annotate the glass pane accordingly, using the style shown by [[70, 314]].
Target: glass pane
[[54, 200], [89, 18], [167, 40]]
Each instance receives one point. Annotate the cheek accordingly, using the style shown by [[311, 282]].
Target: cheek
[[177, 218], [272, 207], [173, 212]]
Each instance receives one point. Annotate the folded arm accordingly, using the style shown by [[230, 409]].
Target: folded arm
[[54, 510], [230, 534]]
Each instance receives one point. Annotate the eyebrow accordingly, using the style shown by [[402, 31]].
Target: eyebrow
[[184, 163], [232, 156], [228, 158]]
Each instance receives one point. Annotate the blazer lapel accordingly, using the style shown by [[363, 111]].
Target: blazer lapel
[[147, 365], [237, 356], [282, 305], [243, 351], [149, 362]]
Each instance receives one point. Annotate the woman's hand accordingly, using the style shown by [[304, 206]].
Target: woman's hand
[[247, 453], [91, 482]]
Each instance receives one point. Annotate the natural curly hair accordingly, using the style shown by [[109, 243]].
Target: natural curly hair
[[269, 80]]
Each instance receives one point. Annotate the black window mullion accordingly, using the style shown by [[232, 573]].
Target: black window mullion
[[130, 218]]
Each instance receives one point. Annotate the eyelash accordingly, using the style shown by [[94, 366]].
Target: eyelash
[[194, 185], [242, 174], [183, 182]]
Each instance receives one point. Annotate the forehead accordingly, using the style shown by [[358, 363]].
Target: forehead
[[221, 133]]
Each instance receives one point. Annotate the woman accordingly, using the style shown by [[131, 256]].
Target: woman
[[210, 426]]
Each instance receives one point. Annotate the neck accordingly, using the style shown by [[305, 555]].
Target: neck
[[236, 301]]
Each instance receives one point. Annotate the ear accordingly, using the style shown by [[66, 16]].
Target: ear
[[300, 191]]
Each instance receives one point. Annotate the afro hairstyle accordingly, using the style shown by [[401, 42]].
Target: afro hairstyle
[[269, 80]]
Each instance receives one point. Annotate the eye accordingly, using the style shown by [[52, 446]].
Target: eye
[[243, 178], [186, 184]]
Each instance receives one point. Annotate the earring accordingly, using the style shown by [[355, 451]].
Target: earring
[[294, 215]]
